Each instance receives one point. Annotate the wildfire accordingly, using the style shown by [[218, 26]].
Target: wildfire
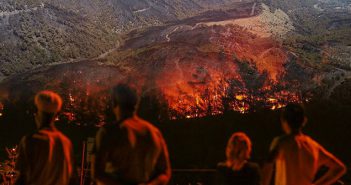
[[1, 109], [247, 74], [71, 99], [241, 97], [224, 69], [241, 107], [199, 102]]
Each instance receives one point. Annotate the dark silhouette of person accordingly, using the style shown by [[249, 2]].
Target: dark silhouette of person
[[45, 157], [237, 169], [298, 157], [130, 150]]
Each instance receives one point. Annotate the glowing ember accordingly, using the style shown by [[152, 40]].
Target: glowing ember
[[241, 97], [272, 100], [71, 99], [1, 109]]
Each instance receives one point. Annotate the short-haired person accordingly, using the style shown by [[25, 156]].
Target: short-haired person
[[45, 157], [298, 157], [129, 151], [237, 169]]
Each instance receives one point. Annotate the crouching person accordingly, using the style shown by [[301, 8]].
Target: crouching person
[[45, 157], [129, 151]]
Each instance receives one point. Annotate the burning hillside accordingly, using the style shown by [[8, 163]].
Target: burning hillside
[[199, 72], [191, 69], [208, 70]]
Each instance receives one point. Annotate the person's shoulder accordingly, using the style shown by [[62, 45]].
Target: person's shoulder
[[144, 122], [254, 171], [283, 139], [307, 138], [107, 130], [310, 141], [277, 141], [38, 135], [251, 166], [27, 138], [109, 127], [30, 135], [142, 125], [54, 133], [34, 138]]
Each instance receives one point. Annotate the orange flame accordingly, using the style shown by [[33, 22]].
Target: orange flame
[[212, 84]]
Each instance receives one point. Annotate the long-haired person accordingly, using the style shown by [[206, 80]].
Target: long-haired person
[[129, 151], [45, 157], [237, 170]]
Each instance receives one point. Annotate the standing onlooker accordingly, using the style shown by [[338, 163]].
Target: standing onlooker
[[45, 157], [131, 150], [298, 157], [236, 169]]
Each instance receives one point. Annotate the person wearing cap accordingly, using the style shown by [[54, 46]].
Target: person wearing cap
[[297, 157], [45, 157], [130, 150]]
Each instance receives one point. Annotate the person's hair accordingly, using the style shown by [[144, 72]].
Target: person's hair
[[125, 97], [238, 147], [294, 115], [48, 101], [49, 104]]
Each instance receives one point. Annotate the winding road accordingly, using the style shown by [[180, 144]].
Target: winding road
[[141, 10], [253, 9], [168, 38]]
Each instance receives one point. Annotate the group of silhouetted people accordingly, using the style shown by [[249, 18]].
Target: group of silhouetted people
[[296, 157], [131, 151]]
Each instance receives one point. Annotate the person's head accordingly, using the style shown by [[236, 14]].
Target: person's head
[[124, 101], [293, 118], [48, 104], [238, 147]]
